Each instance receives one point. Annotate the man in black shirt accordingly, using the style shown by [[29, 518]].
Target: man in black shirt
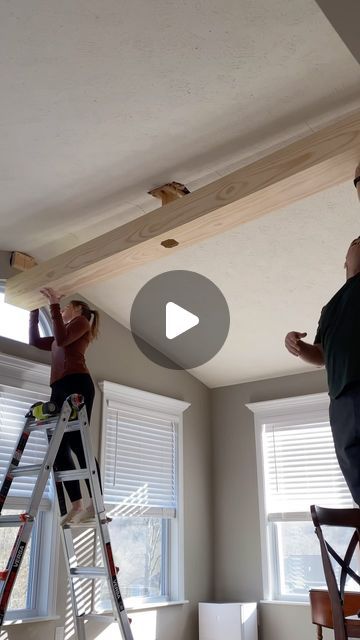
[[337, 346]]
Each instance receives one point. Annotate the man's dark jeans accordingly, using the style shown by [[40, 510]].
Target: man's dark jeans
[[345, 425]]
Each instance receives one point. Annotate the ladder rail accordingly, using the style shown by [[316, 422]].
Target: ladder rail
[[26, 527], [70, 556], [103, 530], [14, 462]]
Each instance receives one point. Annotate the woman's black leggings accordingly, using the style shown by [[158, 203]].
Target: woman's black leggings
[[71, 442]]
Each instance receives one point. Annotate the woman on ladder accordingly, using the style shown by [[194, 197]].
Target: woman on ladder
[[73, 331]]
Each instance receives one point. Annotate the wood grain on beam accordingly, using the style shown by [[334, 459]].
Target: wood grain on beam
[[312, 164]]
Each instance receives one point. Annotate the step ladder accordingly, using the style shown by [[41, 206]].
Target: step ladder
[[54, 428]]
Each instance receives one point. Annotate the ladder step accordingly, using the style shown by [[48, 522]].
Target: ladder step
[[26, 470], [74, 425], [51, 425], [34, 470], [89, 524], [15, 520], [35, 425], [75, 474], [88, 572], [98, 616]]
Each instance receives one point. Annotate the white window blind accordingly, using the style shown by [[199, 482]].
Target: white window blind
[[14, 403], [140, 470], [301, 469]]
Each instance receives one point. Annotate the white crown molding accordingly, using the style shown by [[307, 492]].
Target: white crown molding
[[138, 398], [269, 408], [22, 373]]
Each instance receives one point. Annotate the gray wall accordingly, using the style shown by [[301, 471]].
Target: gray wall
[[237, 556], [115, 357]]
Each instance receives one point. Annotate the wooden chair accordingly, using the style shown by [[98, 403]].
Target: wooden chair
[[344, 619]]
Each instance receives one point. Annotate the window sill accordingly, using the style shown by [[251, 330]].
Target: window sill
[[142, 607], [303, 603], [105, 614], [157, 605], [13, 622]]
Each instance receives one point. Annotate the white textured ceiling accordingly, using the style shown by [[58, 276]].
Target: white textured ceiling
[[104, 99]]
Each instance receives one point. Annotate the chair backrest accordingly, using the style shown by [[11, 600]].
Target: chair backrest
[[349, 518]]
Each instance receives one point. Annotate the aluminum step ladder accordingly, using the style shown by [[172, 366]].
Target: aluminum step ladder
[[54, 428]]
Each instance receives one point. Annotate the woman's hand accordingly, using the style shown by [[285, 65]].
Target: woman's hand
[[51, 295]]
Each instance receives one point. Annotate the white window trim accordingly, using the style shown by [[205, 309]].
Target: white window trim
[[173, 409], [25, 374], [293, 410]]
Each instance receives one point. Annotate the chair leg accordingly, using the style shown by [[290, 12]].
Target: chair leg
[[319, 634]]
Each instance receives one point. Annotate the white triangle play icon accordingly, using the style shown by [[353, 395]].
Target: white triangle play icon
[[178, 320]]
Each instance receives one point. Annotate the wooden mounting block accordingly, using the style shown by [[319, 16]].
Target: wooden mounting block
[[169, 192]]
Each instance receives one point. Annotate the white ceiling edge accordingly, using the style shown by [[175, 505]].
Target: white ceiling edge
[[282, 374]]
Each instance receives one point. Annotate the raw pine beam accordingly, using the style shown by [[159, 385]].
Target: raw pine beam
[[317, 162]]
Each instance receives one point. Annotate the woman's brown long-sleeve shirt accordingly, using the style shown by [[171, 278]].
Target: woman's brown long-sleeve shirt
[[67, 345]]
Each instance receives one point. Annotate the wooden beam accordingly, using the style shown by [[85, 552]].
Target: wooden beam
[[318, 161], [344, 16]]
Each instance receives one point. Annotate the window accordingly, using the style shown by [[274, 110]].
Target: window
[[297, 467], [21, 384], [142, 477], [14, 322]]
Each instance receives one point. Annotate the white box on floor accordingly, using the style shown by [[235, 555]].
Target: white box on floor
[[228, 621]]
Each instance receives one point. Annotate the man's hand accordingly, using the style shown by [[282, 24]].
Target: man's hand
[[51, 295], [293, 342], [311, 353]]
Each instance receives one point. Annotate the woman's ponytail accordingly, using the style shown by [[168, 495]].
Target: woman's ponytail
[[87, 312], [95, 324]]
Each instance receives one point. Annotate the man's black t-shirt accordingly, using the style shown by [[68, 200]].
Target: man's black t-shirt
[[339, 335]]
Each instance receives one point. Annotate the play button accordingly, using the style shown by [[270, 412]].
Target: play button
[[179, 319]]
